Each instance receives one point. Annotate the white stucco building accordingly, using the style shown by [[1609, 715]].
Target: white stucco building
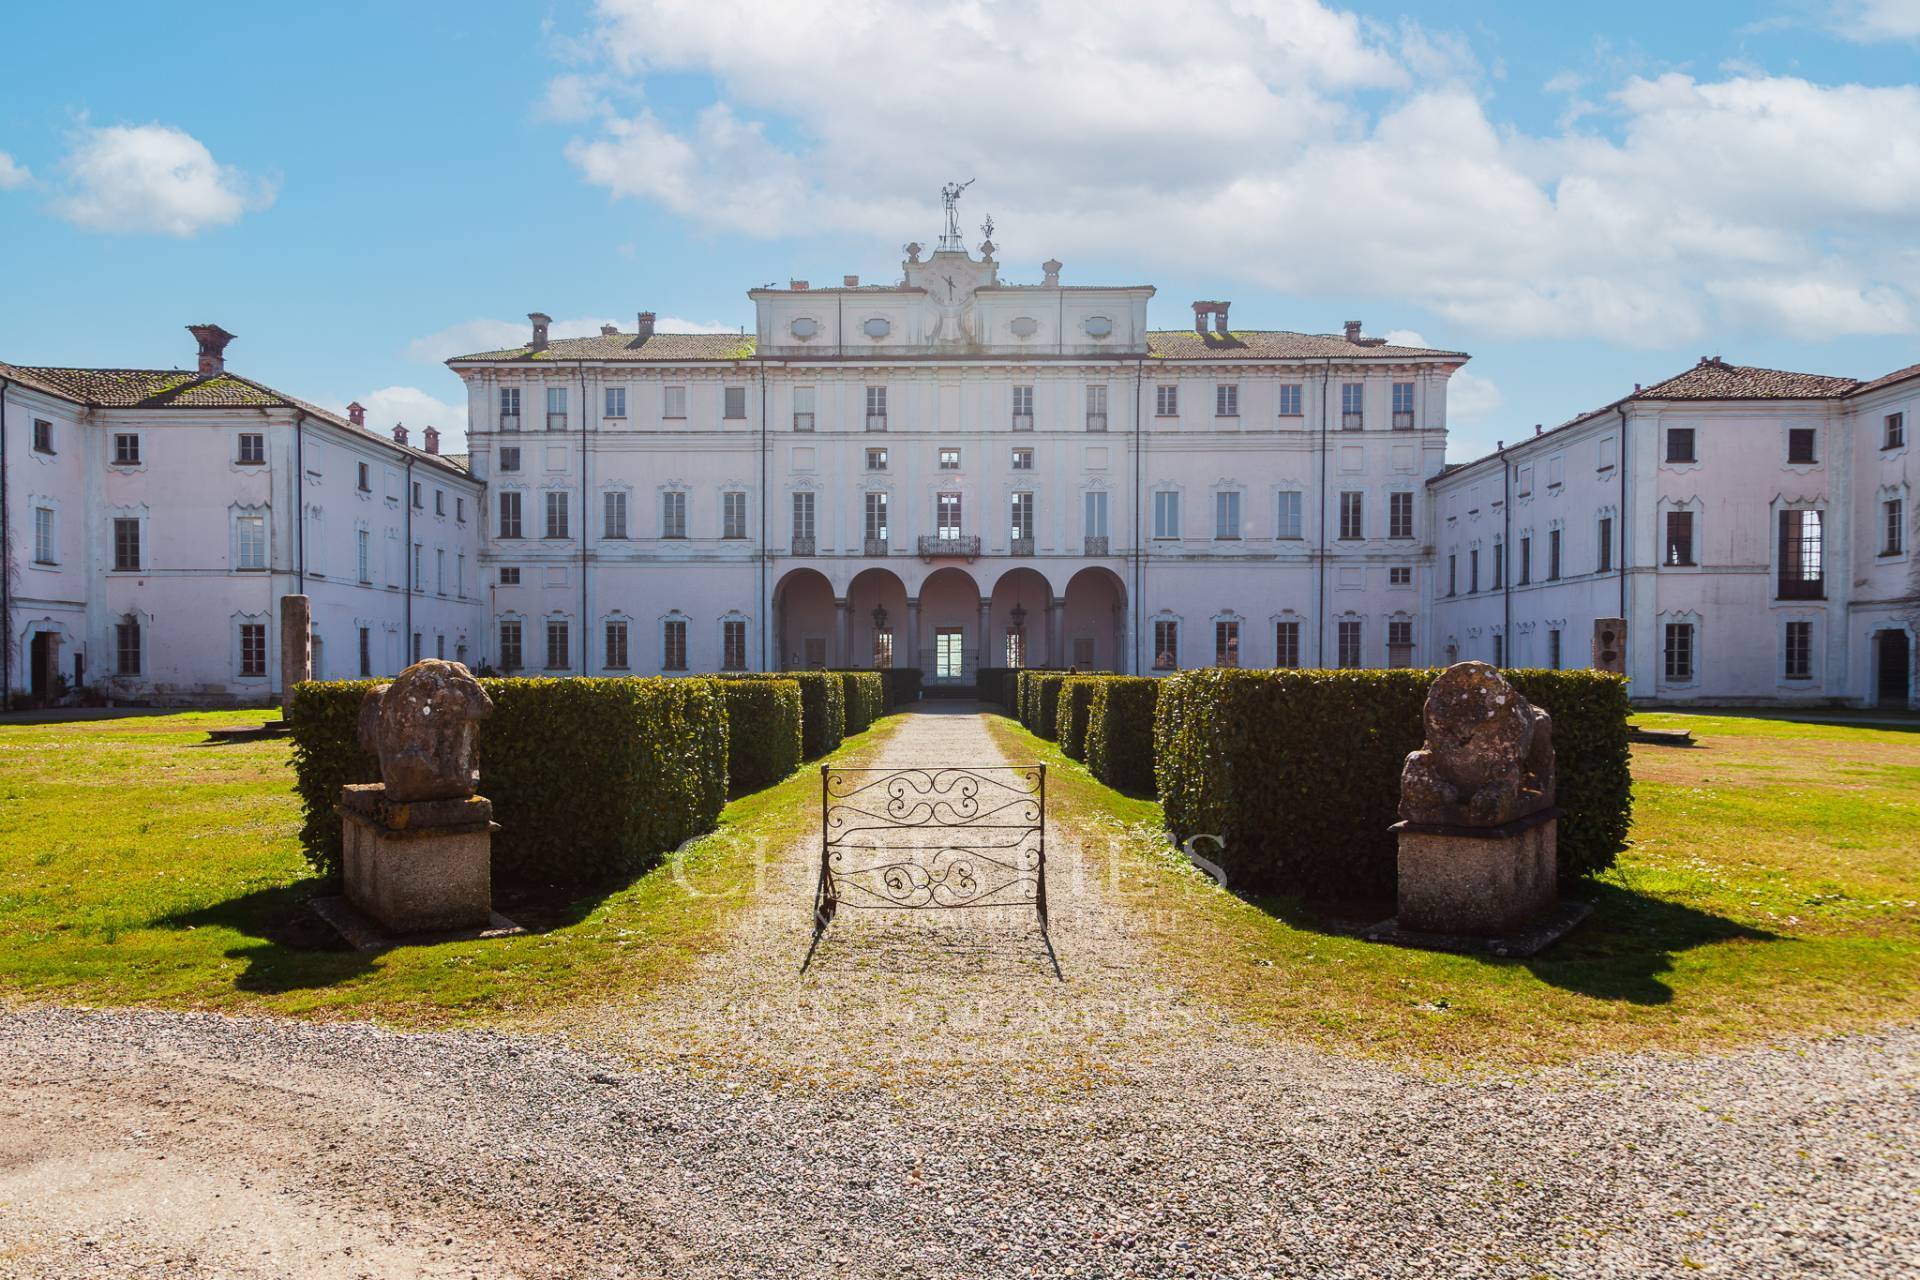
[[1753, 527], [952, 471], [151, 529]]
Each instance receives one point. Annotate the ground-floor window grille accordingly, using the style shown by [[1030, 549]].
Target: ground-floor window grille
[[1166, 645], [1226, 644], [253, 648], [1400, 642], [1016, 648], [883, 649], [126, 638], [1678, 652], [557, 643], [512, 657], [1553, 648], [1286, 644], [366, 652], [617, 645], [1349, 650], [1799, 664], [733, 645], [673, 645]]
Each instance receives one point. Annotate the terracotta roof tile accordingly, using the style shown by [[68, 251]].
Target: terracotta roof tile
[[627, 346], [1898, 375], [1274, 344], [1715, 379]]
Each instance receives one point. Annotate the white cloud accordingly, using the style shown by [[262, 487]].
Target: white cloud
[[471, 336], [152, 178], [1280, 141], [1869, 21], [388, 407], [12, 173], [570, 98], [1472, 398]]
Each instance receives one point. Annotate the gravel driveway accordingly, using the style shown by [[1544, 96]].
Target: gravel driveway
[[927, 1101]]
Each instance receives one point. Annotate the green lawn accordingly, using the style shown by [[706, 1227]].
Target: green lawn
[[140, 864], [1772, 888]]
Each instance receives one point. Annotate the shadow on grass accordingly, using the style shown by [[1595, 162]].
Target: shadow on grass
[[1888, 720], [1620, 952]]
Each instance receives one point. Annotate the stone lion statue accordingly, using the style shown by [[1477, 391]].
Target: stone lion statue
[[421, 726], [1488, 757]]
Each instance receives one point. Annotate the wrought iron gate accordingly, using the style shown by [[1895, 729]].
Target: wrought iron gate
[[928, 839]]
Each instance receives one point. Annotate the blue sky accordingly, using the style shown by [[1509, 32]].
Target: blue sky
[[1584, 197]]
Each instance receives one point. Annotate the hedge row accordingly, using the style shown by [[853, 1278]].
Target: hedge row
[[1119, 741], [1070, 731], [903, 685], [589, 777], [823, 710], [1038, 694], [997, 685], [763, 732], [864, 695], [1298, 772]]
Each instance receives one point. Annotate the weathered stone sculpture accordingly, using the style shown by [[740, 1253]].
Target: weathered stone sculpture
[[419, 843], [1478, 832]]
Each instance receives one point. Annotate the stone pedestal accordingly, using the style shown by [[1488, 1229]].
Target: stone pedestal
[[1482, 881], [419, 867]]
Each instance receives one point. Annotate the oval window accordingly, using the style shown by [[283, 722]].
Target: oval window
[[1024, 327], [878, 327], [804, 328], [1098, 326]]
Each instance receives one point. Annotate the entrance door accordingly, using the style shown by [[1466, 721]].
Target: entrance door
[[1895, 664], [949, 660], [43, 665]]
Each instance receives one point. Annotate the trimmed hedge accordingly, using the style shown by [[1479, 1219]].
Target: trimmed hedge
[[1076, 696], [763, 732], [1119, 742], [864, 696], [1298, 772], [997, 684], [902, 684], [1040, 700], [823, 710], [589, 777]]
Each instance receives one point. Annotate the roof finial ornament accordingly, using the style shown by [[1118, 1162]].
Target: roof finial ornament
[[987, 245], [912, 250], [950, 200]]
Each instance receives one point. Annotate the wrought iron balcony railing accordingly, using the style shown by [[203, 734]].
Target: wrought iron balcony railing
[[935, 545], [1352, 421], [1096, 546], [1096, 422], [1023, 422], [803, 544], [556, 422], [509, 422], [876, 422], [1403, 420], [876, 546], [1020, 547], [802, 421]]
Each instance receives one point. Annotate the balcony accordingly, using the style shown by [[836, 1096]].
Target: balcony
[[1096, 422], [934, 546], [1353, 421], [1403, 419], [1023, 422], [1096, 546], [509, 422], [1020, 547], [556, 422], [1802, 588], [802, 544], [876, 422], [876, 546], [803, 422]]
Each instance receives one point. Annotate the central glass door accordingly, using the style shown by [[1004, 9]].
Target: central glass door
[[948, 656]]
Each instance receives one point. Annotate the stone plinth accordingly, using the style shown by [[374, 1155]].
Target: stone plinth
[[1477, 881], [419, 867]]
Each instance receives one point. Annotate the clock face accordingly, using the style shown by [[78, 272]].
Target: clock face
[[1098, 326], [804, 328], [878, 327]]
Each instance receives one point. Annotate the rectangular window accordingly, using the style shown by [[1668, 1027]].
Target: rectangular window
[[126, 545], [509, 459], [440, 646], [1677, 653], [1096, 406], [509, 575], [1023, 459], [1680, 444], [1349, 642], [1226, 643], [459, 510], [1604, 535], [1226, 400], [126, 449], [1453, 573], [1289, 521], [673, 514], [1226, 515], [417, 581], [1403, 406], [1894, 514], [1499, 565], [460, 575], [556, 513], [1473, 570], [1800, 444], [1401, 575], [1553, 648], [509, 408], [1499, 650], [876, 459], [556, 408], [613, 516], [416, 495], [42, 436], [1166, 645], [1802, 562], [803, 517], [1400, 642], [733, 402], [803, 400], [617, 645], [1166, 401], [1799, 651], [882, 650], [1023, 408], [733, 645], [949, 459], [876, 408], [1352, 406], [253, 649], [733, 514], [673, 645], [363, 554], [440, 570], [1286, 644], [1526, 559], [1290, 403], [1400, 515], [43, 542], [1553, 555], [416, 651], [1021, 519], [876, 526], [947, 515], [673, 402], [253, 448], [1166, 513], [1096, 513], [1353, 513], [363, 481], [1522, 481], [1016, 651], [366, 652], [616, 407], [1896, 431], [512, 657], [557, 644], [439, 502], [510, 514]]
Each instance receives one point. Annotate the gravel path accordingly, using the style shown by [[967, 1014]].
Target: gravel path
[[927, 1101]]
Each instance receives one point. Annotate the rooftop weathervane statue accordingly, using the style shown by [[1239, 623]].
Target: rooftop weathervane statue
[[950, 199]]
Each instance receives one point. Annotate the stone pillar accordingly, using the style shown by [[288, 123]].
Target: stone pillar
[[985, 657], [1056, 633], [913, 634], [844, 609], [296, 644]]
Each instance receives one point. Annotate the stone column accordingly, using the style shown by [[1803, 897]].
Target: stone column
[[296, 644], [1056, 633], [844, 608], [913, 634], [984, 658]]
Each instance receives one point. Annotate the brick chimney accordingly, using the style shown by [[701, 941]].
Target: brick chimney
[[1051, 268], [213, 342], [357, 414], [432, 437], [1220, 318], [608, 330], [1353, 331], [399, 433], [540, 325], [850, 282], [1200, 312], [646, 325]]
